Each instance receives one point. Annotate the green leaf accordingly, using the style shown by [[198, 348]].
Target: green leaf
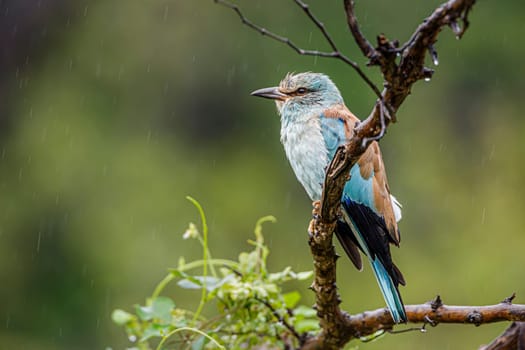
[[304, 275], [153, 330], [145, 313], [121, 317], [197, 282], [291, 299], [304, 312], [307, 325], [161, 309]]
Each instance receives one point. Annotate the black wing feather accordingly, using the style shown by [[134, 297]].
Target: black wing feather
[[347, 239], [375, 235]]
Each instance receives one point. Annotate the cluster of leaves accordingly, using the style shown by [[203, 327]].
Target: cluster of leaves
[[251, 307]]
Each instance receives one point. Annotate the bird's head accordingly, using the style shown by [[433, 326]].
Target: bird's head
[[302, 92]]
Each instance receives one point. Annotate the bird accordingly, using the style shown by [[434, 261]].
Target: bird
[[314, 123]]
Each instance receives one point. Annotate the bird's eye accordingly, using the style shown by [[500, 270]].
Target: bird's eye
[[301, 90]]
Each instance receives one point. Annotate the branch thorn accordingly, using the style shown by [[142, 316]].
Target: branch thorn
[[436, 303], [508, 300]]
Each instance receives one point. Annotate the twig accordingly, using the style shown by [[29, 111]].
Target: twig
[[281, 320], [365, 46], [318, 23], [336, 53]]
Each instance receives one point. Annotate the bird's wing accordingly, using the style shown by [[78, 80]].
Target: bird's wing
[[370, 169], [368, 183], [366, 197]]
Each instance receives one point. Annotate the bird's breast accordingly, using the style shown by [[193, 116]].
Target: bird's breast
[[305, 149]]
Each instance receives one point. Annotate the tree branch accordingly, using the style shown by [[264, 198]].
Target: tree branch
[[372, 321], [433, 313]]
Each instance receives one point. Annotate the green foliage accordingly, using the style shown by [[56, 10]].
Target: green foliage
[[251, 307]]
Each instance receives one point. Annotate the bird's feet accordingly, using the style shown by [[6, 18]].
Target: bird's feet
[[316, 209]]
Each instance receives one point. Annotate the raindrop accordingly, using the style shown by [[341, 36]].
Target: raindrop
[[455, 28], [166, 12], [98, 70], [120, 72], [38, 242], [483, 215], [427, 79], [491, 155], [436, 61]]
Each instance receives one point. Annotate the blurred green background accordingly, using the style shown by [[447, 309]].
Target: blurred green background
[[112, 112]]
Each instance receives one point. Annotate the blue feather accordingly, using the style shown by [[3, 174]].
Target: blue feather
[[360, 190], [390, 292], [360, 217], [333, 132]]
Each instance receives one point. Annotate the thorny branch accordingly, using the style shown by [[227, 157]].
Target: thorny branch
[[372, 321]]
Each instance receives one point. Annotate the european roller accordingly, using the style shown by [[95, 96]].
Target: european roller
[[314, 123]]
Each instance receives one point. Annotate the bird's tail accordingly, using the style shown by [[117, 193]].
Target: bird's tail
[[390, 291]]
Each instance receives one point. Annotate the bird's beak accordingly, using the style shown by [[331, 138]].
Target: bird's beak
[[271, 93]]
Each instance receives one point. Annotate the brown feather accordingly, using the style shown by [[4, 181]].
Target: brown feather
[[370, 163]]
